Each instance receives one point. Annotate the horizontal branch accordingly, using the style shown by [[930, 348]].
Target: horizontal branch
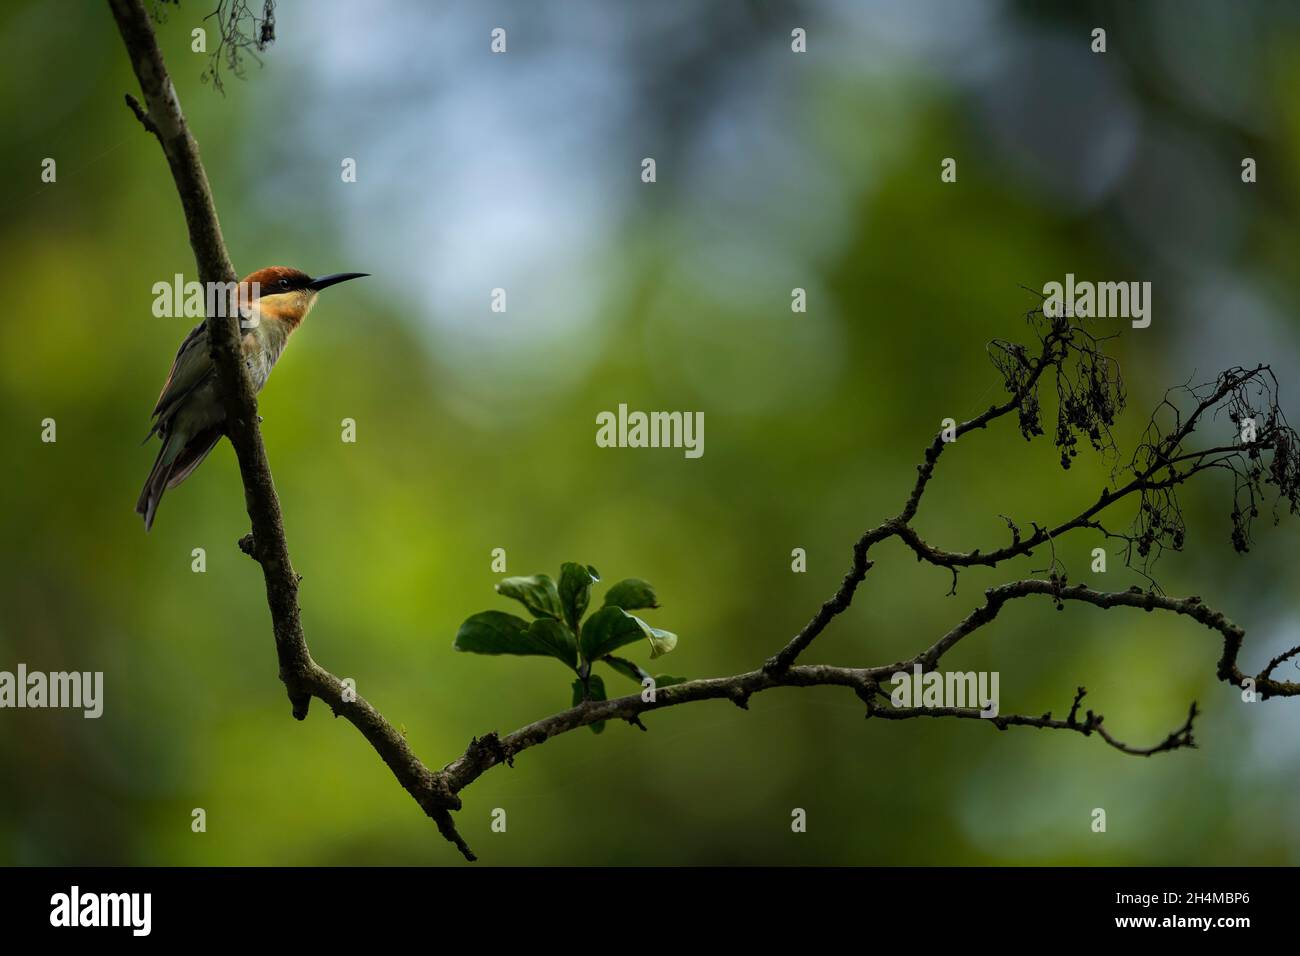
[[486, 752], [1193, 607], [1092, 723]]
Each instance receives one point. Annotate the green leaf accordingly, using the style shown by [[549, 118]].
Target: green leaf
[[631, 594], [594, 690], [537, 593], [626, 667], [493, 632], [575, 590], [608, 630], [661, 642], [496, 632], [611, 627], [633, 671], [553, 638]]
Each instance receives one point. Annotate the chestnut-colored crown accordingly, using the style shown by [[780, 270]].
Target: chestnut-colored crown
[[274, 280]]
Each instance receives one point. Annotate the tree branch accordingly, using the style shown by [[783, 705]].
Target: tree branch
[[1092, 723], [302, 677], [164, 118]]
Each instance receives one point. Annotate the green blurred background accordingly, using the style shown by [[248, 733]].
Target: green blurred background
[[476, 429]]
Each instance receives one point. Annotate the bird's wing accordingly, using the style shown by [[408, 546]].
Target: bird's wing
[[190, 367], [192, 455]]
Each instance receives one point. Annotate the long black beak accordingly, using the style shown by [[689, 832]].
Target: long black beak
[[324, 282]]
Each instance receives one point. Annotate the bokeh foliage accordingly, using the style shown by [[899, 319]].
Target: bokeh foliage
[[475, 429]]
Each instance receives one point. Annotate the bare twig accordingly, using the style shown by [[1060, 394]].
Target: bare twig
[[1092, 723], [240, 33]]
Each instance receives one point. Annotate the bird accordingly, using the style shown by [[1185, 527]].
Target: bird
[[189, 417]]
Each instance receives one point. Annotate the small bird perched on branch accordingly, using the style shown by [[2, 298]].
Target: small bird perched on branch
[[190, 418]]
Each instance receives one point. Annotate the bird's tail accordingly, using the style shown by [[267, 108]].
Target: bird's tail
[[176, 460], [156, 483]]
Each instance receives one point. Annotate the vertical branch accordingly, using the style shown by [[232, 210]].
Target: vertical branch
[[162, 116], [302, 677], [167, 122]]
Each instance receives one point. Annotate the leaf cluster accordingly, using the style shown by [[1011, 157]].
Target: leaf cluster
[[558, 628]]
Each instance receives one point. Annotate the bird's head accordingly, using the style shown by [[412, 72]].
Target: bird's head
[[287, 295]]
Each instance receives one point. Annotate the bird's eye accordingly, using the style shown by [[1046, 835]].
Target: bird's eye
[[283, 283]]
